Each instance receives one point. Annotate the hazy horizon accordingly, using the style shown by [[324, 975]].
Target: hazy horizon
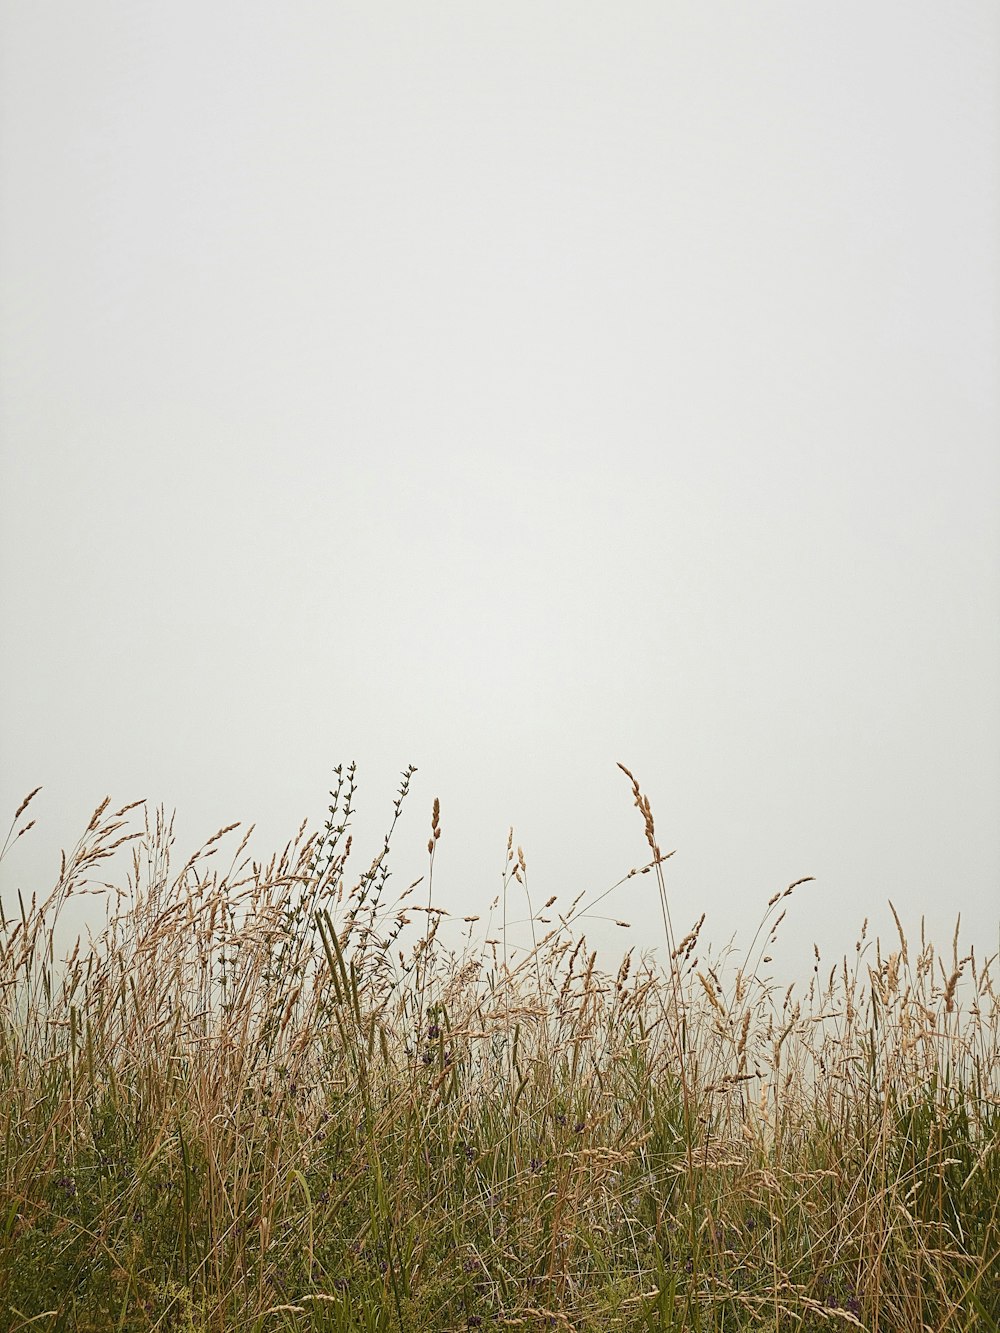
[[513, 391]]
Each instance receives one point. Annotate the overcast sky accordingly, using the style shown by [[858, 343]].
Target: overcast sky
[[511, 389]]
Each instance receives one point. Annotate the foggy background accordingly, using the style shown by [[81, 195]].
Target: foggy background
[[511, 389]]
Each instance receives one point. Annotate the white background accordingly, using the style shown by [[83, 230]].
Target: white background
[[512, 389]]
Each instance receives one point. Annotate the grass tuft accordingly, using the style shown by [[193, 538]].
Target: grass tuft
[[278, 1097]]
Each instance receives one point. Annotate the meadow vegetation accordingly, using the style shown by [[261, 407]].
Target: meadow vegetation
[[282, 1096]]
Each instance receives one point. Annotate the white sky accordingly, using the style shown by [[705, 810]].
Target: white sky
[[511, 389]]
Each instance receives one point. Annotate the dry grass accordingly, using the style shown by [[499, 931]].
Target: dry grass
[[276, 1097]]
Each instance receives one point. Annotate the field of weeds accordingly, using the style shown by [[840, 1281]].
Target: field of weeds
[[280, 1097]]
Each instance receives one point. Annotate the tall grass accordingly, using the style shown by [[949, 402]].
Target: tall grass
[[278, 1097]]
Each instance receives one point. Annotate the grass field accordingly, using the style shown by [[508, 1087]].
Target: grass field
[[282, 1097]]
